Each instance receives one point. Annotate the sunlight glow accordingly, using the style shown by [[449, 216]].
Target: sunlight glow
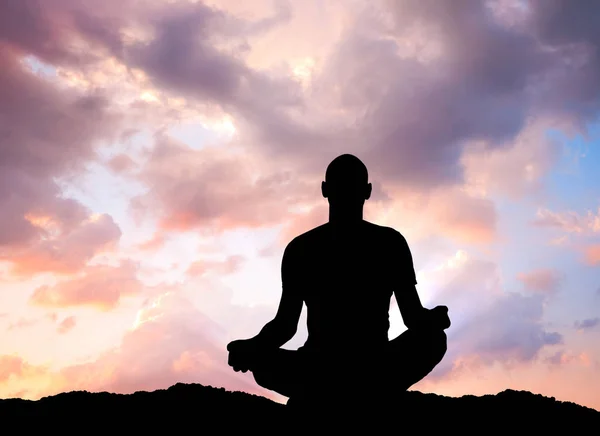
[[149, 96], [455, 262], [303, 70], [223, 127], [150, 313], [39, 220]]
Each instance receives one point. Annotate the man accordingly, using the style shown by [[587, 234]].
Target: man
[[345, 271]]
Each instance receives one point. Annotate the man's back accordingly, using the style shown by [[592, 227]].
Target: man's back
[[346, 277]]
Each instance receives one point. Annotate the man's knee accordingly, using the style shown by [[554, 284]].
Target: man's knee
[[439, 344], [261, 377], [434, 342]]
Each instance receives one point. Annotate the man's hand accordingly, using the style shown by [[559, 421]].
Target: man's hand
[[439, 317], [241, 353]]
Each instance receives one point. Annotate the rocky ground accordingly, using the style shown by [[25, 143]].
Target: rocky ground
[[200, 409]]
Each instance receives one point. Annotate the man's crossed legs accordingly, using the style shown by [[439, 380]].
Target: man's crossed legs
[[406, 360]]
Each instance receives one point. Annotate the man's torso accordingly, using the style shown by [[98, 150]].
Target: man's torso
[[346, 279]]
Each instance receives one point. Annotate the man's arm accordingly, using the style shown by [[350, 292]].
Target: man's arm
[[283, 327], [412, 311], [414, 315]]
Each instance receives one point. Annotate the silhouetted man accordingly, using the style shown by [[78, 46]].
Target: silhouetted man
[[345, 271]]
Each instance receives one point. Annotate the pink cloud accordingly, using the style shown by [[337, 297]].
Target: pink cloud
[[121, 163], [465, 218], [172, 342], [592, 254], [10, 365], [562, 357], [541, 280], [64, 251], [202, 267], [66, 325], [100, 286], [569, 221], [51, 133], [15, 367], [215, 189]]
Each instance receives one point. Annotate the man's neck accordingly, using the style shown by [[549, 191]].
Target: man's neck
[[345, 218]]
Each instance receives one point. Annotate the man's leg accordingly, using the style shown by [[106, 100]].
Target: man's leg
[[280, 370], [414, 354]]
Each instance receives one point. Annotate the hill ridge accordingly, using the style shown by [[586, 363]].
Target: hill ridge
[[218, 409]]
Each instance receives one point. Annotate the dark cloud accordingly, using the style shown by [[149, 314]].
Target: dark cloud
[[408, 118], [572, 29], [48, 30], [587, 324], [47, 133]]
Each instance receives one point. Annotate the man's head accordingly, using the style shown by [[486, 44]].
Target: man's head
[[346, 182]]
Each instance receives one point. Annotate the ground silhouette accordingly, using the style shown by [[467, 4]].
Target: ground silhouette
[[345, 271], [209, 409]]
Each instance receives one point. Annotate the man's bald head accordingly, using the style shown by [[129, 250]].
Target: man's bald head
[[347, 168], [346, 181]]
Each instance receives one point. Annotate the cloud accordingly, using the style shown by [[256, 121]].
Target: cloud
[[121, 163], [540, 280], [489, 324], [64, 250], [48, 133], [304, 222], [63, 326], [463, 217], [569, 221], [571, 28], [215, 189], [22, 323], [587, 324], [592, 254], [14, 366], [527, 157], [172, 341], [201, 53], [202, 267], [563, 357], [66, 325], [449, 124], [99, 286]]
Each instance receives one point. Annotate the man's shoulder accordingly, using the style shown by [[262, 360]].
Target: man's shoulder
[[304, 240], [386, 233]]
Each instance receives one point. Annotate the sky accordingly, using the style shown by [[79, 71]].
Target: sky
[[156, 157]]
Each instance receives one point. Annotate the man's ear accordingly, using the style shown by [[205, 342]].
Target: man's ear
[[324, 189], [369, 190]]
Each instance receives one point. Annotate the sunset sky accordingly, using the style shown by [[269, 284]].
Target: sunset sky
[[157, 156]]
